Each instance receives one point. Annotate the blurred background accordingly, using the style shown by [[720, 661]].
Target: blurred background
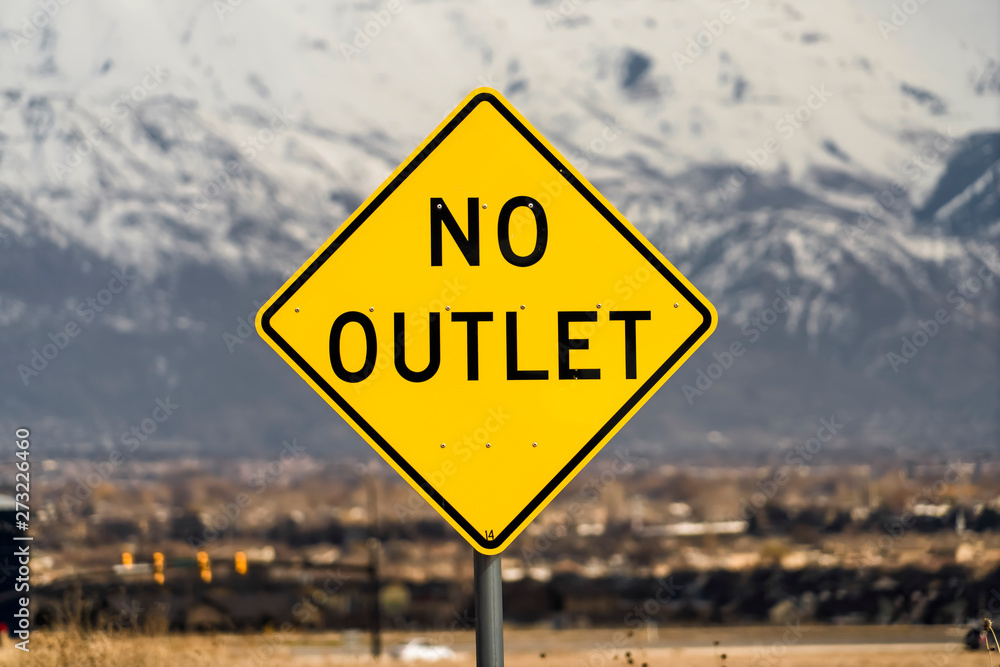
[[825, 173]]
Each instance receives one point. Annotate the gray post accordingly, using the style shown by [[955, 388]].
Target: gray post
[[489, 611]]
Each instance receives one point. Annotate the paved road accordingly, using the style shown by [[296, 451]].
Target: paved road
[[674, 642]]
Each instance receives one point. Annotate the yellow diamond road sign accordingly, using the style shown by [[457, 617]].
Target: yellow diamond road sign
[[486, 320]]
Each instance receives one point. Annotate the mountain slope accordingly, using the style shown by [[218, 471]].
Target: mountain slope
[[760, 146]]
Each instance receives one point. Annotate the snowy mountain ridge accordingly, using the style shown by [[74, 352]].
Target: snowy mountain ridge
[[758, 144]]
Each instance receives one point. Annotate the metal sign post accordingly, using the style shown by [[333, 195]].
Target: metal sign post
[[489, 610], [572, 336]]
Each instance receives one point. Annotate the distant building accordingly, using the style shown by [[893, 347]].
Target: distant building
[[691, 528]]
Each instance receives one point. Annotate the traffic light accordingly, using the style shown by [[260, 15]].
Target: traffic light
[[205, 566], [241, 563], [158, 568]]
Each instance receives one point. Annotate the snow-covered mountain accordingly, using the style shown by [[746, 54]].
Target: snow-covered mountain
[[847, 153]]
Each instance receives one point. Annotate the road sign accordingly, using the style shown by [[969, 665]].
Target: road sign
[[486, 320]]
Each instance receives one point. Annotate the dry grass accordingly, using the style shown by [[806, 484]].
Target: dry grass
[[150, 646], [71, 648], [815, 658], [103, 649], [114, 641], [66, 649]]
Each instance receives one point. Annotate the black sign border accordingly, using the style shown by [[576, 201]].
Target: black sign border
[[388, 449]]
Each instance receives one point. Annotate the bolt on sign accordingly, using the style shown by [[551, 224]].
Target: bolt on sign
[[486, 320]]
